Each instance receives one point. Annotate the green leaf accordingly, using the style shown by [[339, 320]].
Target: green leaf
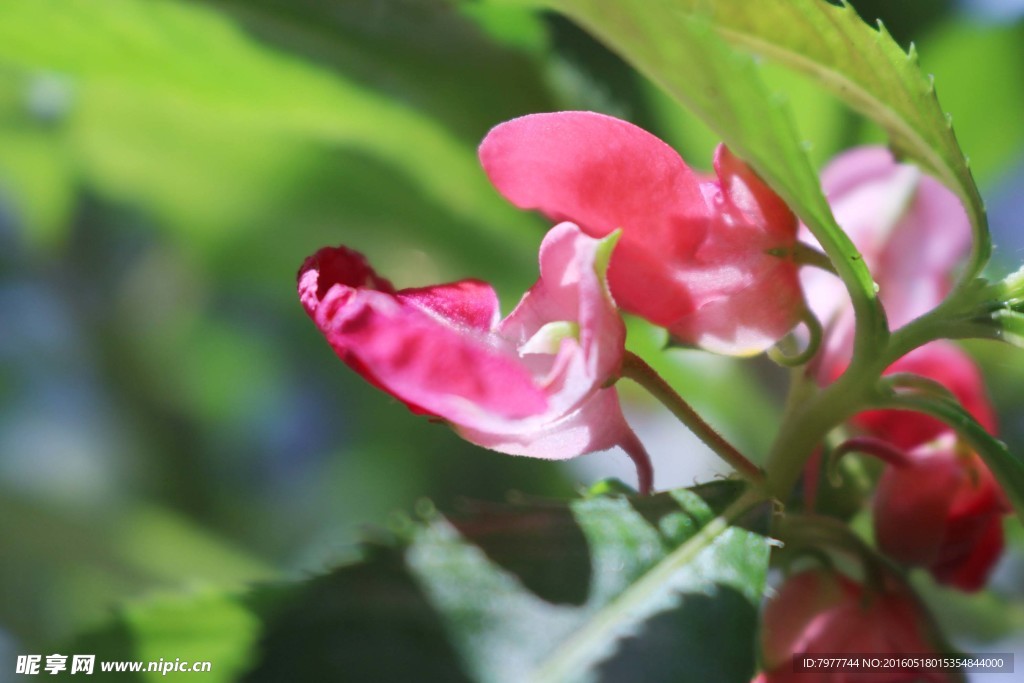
[[1007, 467], [220, 628], [683, 55], [868, 70], [960, 50], [609, 588], [89, 560]]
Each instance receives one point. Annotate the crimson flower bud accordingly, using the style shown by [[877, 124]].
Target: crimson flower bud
[[822, 612], [942, 509]]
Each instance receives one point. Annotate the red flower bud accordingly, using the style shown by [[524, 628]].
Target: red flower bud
[[822, 612], [942, 510], [946, 364]]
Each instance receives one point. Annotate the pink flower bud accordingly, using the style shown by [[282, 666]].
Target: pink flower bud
[[532, 384], [822, 612], [707, 259]]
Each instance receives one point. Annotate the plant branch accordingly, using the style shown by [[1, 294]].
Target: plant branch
[[806, 255], [636, 369]]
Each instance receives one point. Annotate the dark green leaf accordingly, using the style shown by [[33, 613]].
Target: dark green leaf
[[601, 588]]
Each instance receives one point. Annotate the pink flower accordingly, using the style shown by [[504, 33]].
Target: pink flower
[[532, 384], [912, 232], [943, 510], [937, 505], [706, 259], [822, 612]]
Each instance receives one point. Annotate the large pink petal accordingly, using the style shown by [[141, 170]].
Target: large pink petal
[[469, 305], [743, 282], [433, 366], [686, 248], [603, 174], [748, 321], [599, 172]]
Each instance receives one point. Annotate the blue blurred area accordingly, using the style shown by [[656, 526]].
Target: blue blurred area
[[994, 10], [1006, 213]]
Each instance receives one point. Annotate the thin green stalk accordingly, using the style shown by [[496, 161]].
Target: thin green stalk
[[806, 427], [806, 423], [636, 369], [806, 255]]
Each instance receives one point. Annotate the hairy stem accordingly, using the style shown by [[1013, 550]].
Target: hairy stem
[[806, 255], [638, 454], [636, 369], [869, 445]]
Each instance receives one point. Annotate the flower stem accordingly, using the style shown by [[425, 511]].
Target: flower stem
[[636, 369], [868, 445], [638, 454], [806, 255]]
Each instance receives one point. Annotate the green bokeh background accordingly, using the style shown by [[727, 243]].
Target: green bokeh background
[[169, 418]]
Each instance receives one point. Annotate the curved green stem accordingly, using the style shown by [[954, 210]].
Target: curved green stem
[[806, 255], [814, 329], [806, 423], [635, 368], [883, 450]]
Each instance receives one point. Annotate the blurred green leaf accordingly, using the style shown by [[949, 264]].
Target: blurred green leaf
[[89, 560], [175, 108], [986, 616], [660, 588], [440, 60], [35, 169], [203, 627], [987, 117]]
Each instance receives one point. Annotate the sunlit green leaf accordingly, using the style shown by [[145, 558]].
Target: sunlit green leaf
[[866, 68]]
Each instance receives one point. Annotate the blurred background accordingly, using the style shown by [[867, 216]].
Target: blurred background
[[170, 418]]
